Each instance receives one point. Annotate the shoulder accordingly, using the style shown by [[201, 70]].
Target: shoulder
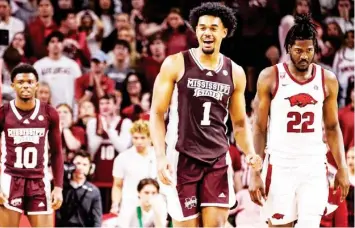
[[268, 75], [92, 121], [93, 188], [238, 75], [173, 60], [330, 81], [51, 111], [40, 62]]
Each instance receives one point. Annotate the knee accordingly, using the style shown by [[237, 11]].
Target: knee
[[215, 221]]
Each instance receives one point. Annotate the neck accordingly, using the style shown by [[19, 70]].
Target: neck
[[302, 74], [25, 105], [120, 63], [143, 152], [208, 59], [47, 21], [55, 56], [158, 58], [146, 208], [6, 19], [352, 171], [134, 99], [64, 30], [78, 181]]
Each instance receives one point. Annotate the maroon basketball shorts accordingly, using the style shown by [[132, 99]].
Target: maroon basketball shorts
[[30, 196], [196, 185]]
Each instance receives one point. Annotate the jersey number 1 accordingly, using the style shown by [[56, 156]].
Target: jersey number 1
[[26, 161], [206, 114]]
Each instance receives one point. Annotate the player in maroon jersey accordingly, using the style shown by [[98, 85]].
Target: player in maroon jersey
[[202, 86], [288, 198], [28, 128]]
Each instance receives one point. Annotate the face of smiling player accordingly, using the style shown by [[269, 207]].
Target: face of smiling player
[[210, 32]]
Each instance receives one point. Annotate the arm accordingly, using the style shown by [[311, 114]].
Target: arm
[[97, 209], [164, 84], [123, 140], [241, 128], [98, 87], [267, 77], [118, 176], [73, 142], [331, 123], [94, 141], [55, 143]]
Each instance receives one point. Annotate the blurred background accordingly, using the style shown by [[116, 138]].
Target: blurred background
[[97, 61]]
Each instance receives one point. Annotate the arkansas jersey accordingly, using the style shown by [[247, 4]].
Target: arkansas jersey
[[105, 156], [296, 114], [24, 147], [199, 110]]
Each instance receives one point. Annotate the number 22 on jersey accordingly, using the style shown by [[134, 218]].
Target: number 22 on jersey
[[300, 123]]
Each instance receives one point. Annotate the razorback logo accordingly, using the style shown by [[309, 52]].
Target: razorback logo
[[301, 100], [278, 216]]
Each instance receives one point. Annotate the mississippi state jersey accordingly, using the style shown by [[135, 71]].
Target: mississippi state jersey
[[105, 156], [199, 109], [296, 113], [24, 147]]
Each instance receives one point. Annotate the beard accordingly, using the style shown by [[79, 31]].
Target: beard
[[25, 99], [208, 52], [299, 68]]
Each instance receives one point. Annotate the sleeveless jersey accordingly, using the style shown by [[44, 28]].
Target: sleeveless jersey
[[105, 156], [199, 110], [24, 147], [296, 114]]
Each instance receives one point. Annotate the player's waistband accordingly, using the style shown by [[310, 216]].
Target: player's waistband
[[293, 161]]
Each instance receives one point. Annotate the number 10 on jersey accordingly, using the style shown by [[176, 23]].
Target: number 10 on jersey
[[29, 158]]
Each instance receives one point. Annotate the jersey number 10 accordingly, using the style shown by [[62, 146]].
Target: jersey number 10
[[26, 160]]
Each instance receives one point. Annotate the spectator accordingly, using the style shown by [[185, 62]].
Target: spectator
[[334, 30], [25, 10], [151, 210], [120, 66], [151, 64], [139, 111], [75, 44], [73, 137], [343, 65], [127, 175], [95, 84], [43, 92], [20, 43], [8, 24], [11, 59], [81, 199], [108, 135], [121, 21], [344, 15], [128, 34], [350, 198], [105, 9], [58, 71], [41, 27], [86, 112], [346, 119], [133, 88]]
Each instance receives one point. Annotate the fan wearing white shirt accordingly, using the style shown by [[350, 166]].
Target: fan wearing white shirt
[[129, 168], [58, 70], [7, 22]]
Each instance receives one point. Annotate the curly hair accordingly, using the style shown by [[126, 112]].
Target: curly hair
[[215, 9], [304, 29]]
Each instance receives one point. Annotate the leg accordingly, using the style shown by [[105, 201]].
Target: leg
[[38, 203], [41, 220], [217, 193], [9, 218], [312, 196], [182, 198], [280, 187]]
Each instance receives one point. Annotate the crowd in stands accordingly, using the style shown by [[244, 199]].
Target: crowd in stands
[[97, 61]]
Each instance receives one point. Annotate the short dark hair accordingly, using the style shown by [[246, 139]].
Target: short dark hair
[[82, 153], [54, 34], [147, 181], [64, 13], [108, 96], [8, 1], [304, 29], [215, 9], [23, 68], [123, 43]]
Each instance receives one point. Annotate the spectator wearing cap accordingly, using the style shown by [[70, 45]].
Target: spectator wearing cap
[[120, 66], [151, 64], [58, 71], [95, 84], [41, 27], [10, 24]]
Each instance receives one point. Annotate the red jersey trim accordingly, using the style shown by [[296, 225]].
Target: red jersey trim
[[274, 91], [297, 81], [323, 84]]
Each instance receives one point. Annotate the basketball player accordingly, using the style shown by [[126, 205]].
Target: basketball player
[[28, 128], [299, 95], [201, 86]]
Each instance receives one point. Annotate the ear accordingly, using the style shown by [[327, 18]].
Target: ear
[[12, 85], [288, 48], [225, 32]]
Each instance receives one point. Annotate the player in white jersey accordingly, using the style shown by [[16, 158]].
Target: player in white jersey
[[293, 99]]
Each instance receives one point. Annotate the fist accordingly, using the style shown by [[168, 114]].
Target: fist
[[254, 161]]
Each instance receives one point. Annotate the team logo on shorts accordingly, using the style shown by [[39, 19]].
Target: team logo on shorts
[[191, 202], [40, 118], [16, 202]]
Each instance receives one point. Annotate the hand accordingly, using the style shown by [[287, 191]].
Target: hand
[[342, 181], [254, 161], [114, 209], [165, 170], [57, 198], [3, 198], [256, 188]]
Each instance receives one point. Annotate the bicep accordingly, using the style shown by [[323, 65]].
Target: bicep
[[54, 135], [118, 182], [237, 100], [330, 105]]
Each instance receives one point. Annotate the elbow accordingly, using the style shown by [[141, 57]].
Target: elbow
[[240, 125], [332, 127]]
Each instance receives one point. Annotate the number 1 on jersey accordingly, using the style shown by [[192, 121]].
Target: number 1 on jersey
[[206, 114]]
